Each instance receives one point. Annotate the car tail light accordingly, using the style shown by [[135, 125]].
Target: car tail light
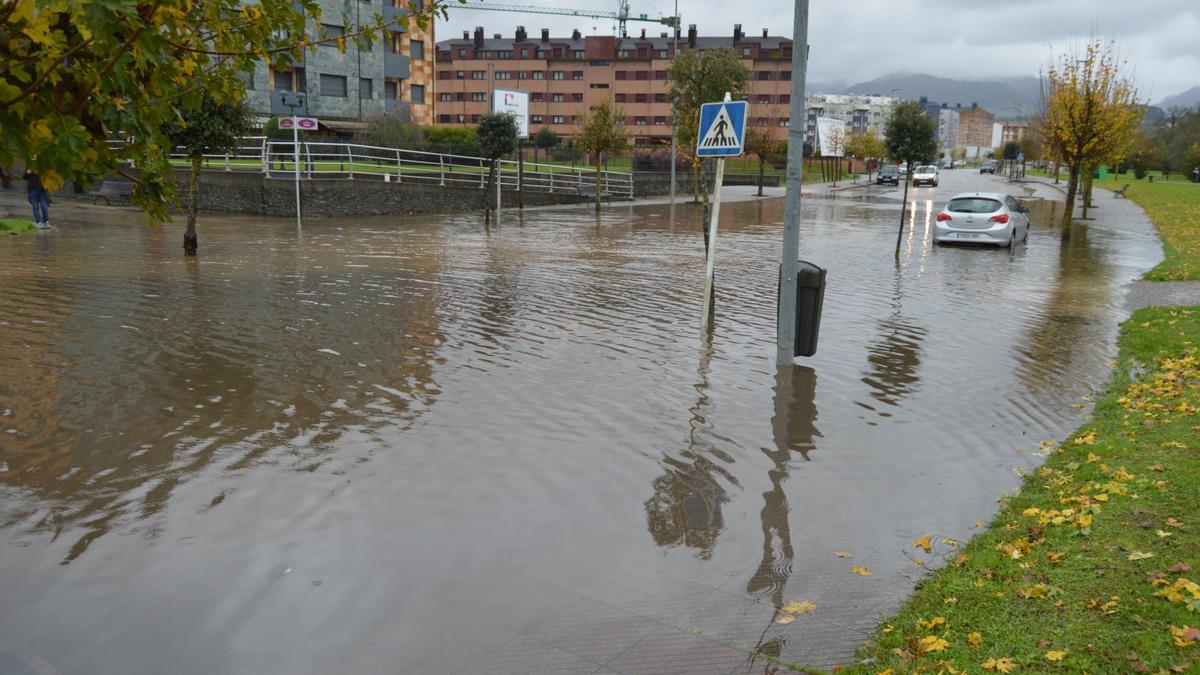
[[1001, 218], [943, 217]]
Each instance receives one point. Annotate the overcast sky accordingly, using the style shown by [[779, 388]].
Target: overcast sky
[[857, 40]]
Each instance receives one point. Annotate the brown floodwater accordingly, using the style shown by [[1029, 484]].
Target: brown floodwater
[[412, 445]]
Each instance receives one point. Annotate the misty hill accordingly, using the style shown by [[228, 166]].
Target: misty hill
[[1007, 98], [1188, 98]]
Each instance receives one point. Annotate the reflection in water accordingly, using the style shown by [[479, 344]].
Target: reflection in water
[[686, 505], [893, 359], [794, 431]]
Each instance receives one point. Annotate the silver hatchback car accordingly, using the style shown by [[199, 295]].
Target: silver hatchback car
[[981, 218]]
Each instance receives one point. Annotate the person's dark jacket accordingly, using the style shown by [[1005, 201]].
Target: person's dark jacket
[[33, 182]]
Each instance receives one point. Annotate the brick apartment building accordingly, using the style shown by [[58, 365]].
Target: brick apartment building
[[343, 88], [566, 75], [975, 127]]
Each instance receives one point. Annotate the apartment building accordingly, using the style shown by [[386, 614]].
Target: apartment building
[[861, 114], [566, 75], [343, 88], [1013, 131], [975, 127]]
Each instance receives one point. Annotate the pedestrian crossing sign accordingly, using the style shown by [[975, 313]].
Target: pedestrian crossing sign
[[722, 129]]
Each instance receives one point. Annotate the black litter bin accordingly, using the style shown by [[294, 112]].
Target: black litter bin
[[810, 295]]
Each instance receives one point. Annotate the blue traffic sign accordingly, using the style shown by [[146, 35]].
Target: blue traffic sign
[[722, 129]]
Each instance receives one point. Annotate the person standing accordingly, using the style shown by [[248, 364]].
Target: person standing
[[1196, 175], [38, 197]]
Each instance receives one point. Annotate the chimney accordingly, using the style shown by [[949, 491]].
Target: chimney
[[496, 36], [692, 35], [521, 34], [974, 105], [764, 32], [466, 35], [478, 37], [643, 33], [575, 34], [662, 35], [737, 32], [545, 35]]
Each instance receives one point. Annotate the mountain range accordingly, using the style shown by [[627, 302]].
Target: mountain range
[[1188, 98]]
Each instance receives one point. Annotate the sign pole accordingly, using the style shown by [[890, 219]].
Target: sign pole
[[785, 322], [296, 165], [710, 265]]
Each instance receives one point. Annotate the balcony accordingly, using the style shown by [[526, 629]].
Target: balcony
[[395, 15], [395, 65], [278, 107]]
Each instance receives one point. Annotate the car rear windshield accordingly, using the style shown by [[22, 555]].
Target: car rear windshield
[[926, 169], [973, 205]]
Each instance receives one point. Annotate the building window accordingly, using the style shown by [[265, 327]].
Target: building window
[[333, 85], [417, 94], [537, 97], [785, 75], [444, 119], [577, 98], [503, 75], [445, 97], [558, 119], [478, 96], [624, 53], [460, 96], [558, 74], [783, 121], [556, 98], [660, 98], [746, 52], [619, 98], [416, 50], [330, 31], [537, 119], [763, 98], [478, 74], [484, 55], [641, 75], [763, 75], [444, 75], [290, 80], [641, 98], [580, 54], [622, 75], [460, 74], [577, 75], [662, 53], [660, 121], [639, 121], [660, 74], [460, 118], [504, 54], [538, 74], [523, 75], [598, 85], [366, 88], [785, 98], [524, 52], [462, 53], [248, 80]]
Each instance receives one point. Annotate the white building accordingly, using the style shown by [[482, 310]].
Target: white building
[[859, 113], [997, 134], [947, 130]]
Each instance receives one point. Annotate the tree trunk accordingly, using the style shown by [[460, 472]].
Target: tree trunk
[[489, 196], [597, 182], [695, 182], [1069, 206], [904, 206], [191, 243], [760, 176]]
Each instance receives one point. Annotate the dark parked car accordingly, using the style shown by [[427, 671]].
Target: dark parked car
[[888, 174], [988, 167]]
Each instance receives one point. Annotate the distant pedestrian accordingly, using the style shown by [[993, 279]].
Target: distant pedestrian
[[1196, 175], [38, 197]]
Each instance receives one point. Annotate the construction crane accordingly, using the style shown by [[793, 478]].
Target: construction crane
[[621, 15]]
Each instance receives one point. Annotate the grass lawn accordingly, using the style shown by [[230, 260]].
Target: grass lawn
[[1175, 209], [1089, 567], [16, 226]]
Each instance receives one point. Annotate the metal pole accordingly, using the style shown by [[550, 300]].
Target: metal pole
[[674, 121], [296, 160], [710, 264], [785, 324]]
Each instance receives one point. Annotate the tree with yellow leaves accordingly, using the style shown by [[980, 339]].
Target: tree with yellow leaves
[[1089, 112]]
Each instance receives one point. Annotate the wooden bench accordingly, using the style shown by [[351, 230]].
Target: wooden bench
[[587, 191], [1121, 193], [112, 188]]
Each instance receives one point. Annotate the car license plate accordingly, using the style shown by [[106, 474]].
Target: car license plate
[[969, 235]]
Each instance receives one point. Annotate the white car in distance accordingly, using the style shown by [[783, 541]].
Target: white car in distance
[[927, 174], [981, 218]]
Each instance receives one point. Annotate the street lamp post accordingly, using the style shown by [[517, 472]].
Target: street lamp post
[[293, 100], [785, 321], [674, 119]]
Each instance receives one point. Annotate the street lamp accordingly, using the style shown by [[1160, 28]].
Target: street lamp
[[293, 100]]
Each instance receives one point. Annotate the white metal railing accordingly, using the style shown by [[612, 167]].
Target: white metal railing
[[349, 161]]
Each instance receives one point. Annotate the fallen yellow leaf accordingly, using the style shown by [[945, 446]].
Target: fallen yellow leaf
[[844, 554], [1055, 655], [1004, 665], [932, 643], [924, 543], [803, 607], [861, 570], [1140, 555], [975, 639], [785, 619]]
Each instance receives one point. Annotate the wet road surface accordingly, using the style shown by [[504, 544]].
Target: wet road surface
[[411, 446]]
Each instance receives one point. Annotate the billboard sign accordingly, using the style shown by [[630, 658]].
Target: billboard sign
[[516, 103], [831, 137], [301, 123]]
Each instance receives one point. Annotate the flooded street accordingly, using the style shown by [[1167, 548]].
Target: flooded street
[[410, 445]]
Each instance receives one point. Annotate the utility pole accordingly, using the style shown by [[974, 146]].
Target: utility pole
[[785, 323], [674, 119]]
